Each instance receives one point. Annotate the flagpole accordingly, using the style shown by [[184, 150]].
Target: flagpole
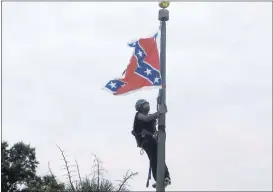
[[163, 16]]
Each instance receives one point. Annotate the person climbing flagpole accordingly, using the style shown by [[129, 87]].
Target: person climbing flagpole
[[163, 16], [147, 69]]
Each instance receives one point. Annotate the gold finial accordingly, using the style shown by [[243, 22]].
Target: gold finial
[[164, 4]]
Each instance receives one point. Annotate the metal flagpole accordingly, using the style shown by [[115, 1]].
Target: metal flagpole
[[163, 16]]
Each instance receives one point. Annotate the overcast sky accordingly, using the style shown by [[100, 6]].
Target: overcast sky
[[58, 56]]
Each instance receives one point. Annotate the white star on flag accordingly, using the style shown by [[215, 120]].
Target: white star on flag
[[113, 85], [156, 80], [148, 71], [139, 53]]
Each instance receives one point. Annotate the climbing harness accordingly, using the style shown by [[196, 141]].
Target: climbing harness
[[142, 150], [143, 135]]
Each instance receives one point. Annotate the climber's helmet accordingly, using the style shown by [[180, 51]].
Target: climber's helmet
[[142, 105]]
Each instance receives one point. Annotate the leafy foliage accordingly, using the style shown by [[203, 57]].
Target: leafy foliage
[[18, 165], [46, 183]]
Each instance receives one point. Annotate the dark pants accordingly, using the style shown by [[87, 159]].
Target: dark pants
[[150, 147]]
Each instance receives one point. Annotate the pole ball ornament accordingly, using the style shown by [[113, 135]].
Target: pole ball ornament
[[164, 4]]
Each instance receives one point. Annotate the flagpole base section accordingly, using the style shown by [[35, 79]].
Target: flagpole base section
[[163, 15]]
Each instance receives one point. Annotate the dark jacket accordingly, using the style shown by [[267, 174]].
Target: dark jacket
[[140, 126]]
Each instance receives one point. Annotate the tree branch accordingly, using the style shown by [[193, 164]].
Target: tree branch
[[50, 170], [126, 178], [78, 170], [67, 169]]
